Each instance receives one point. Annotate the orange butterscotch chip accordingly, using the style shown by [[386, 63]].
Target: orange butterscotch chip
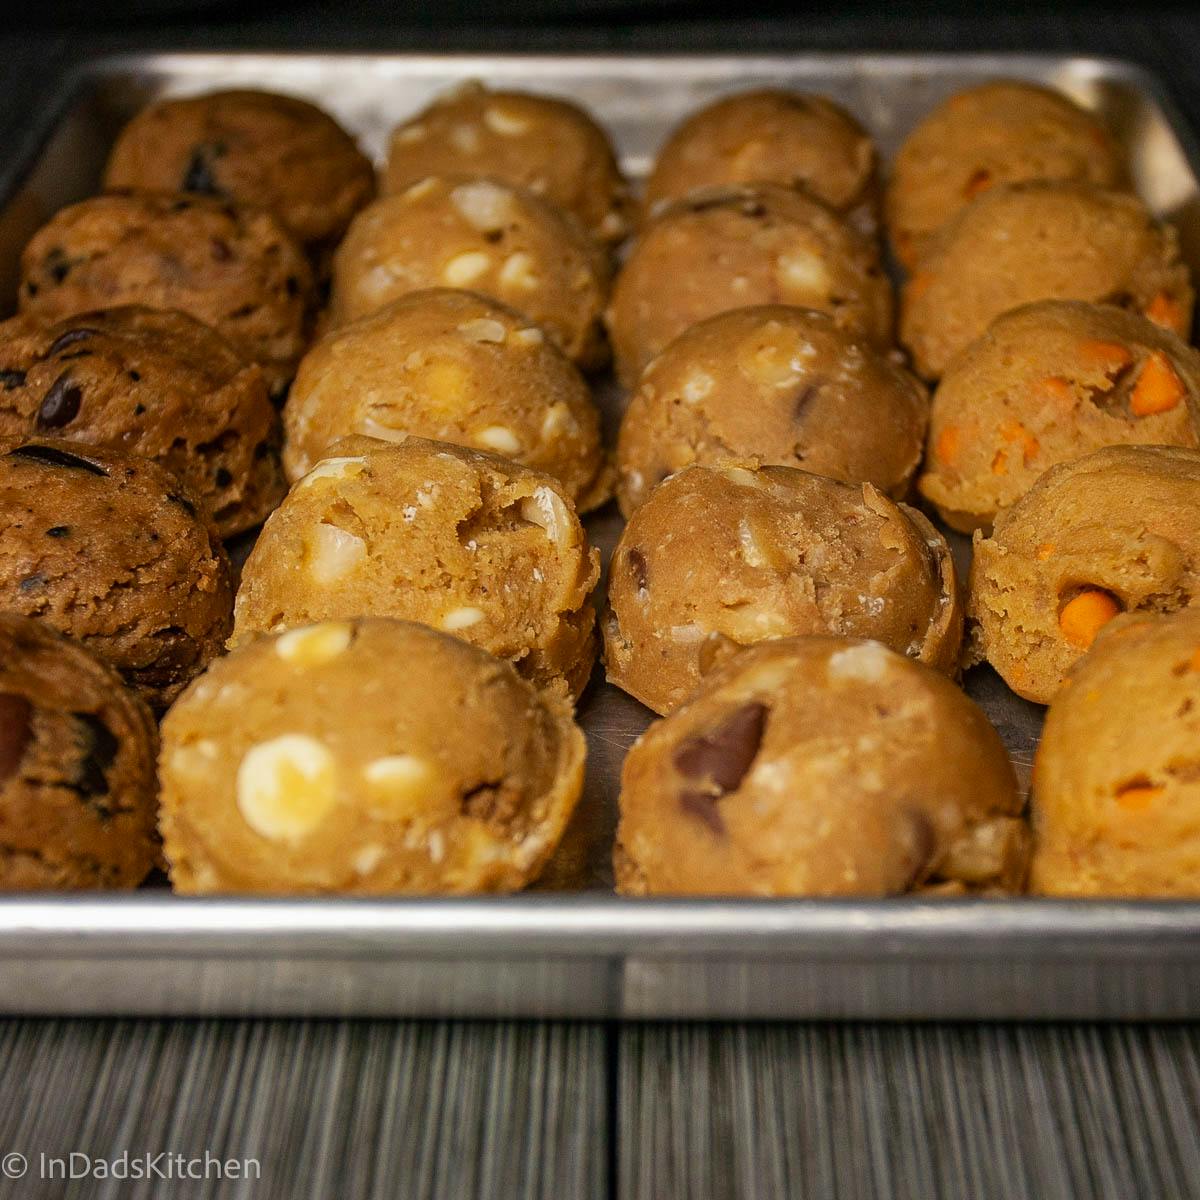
[[1000, 462], [947, 444], [1112, 356], [1165, 310], [1045, 551], [1083, 617], [1195, 660], [1158, 388], [1137, 797], [1014, 431], [1057, 388]]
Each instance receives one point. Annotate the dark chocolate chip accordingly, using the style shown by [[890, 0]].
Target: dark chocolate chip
[[59, 531], [99, 746], [198, 176], [222, 477], [703, 807], [639, 567], [12, 379], [220, 249], [60, 405], [32, 583], [69, 338], [806, 395], [16, 729], [726, 752], [51, 456]]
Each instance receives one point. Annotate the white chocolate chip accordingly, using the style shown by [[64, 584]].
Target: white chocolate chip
[[499, 438], [613, 226], [743, 477], [752, 550], [333, 553], [517, 272], [530, 336], [485, 206], [397, 771], [464, 269], [286, 787], [688, 634], [334, 468], [421, 189], [546, 508], [558, 419], [483, 329], [505, 122], [465, 139], [461, 618], [699, 384], [409, 134], [370, 427], [437, 846], [803, 273], [367, 858], [312, 645], [867, 663]]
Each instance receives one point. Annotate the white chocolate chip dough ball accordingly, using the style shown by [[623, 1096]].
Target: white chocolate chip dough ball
[[468, 543], [457, 367], [366, 756], [493, 238]]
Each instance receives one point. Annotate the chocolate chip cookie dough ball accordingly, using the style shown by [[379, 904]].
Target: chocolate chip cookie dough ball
[[1115, 532], [255, 148], [774, 386], [1048, 383], [772, 136], [154, 383], [821, 767], [116, 553], [234, 268], [365, 756], [736, 247], [457, 367], [465, 542], [721, 558], [1116, 803], [996, 133], [77, 785], [547, 145], [502, 241], [1040, 241]]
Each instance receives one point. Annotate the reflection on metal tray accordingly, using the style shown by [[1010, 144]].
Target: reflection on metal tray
[[571, 948]]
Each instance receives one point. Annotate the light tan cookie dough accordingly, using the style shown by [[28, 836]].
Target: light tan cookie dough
[[456, 367], [233, 268], [775, 386], [729, 248], [543, 143], [77, 785], [821, 767], [720, 558], [995, 133], [155, 383], [1116, 802], [366, 756], [275, 152], [502, 241], [114, 552], [1040, 241], [1115, 532], [1048, 383], [465, 542], [771, 135]]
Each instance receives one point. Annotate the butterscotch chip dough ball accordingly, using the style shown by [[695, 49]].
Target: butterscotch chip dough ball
[[234, 268], [996, 133], [821, 767], [547, 145], [772, 136], [732, 248], [465, 542], [154, 383], [457, 367], [258, 148], [1048, 383], [77, 785], [721, 558], [365, 756], [1115, 532], [502, 241], [1116, 795], [114, 552], [1040, 241], [775, 386]]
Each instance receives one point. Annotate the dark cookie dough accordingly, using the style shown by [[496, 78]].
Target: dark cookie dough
[[114, 551], [77, 749]]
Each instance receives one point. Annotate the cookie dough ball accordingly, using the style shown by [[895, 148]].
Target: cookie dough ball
[[365, 756], [234, 268], [457, 367], [772, 136], [730, 248], [1048, 383], [502, 241], [251, 147], [116, 553], [720, 558], [469, 543], [549, 146], [77, 786], [1115, 532], [1040, 241], [996, 133], [1116, 801], [155, 383], [775, 386], [819, 766]]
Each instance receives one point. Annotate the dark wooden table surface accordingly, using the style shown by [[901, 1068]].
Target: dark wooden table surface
[[413, 1110]]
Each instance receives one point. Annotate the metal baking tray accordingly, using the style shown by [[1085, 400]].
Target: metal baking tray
[[570, 947]]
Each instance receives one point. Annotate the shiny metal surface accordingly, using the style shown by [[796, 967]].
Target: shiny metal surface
[[571, 948]]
